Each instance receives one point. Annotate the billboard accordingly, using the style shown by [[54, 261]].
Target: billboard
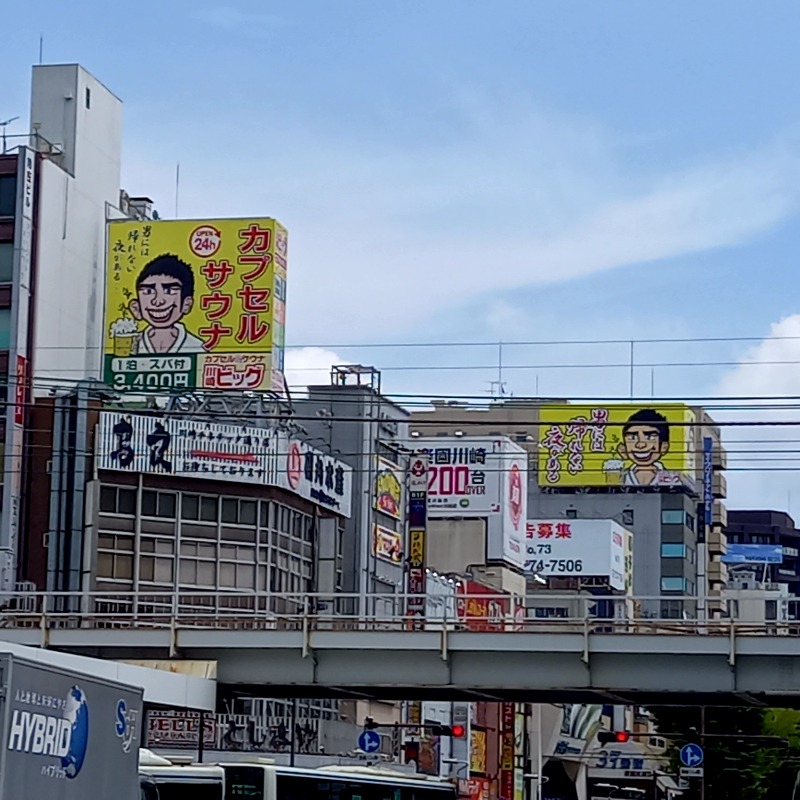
[[463, 475], [590, 548], [481, 608], [179, 729], [173, 445], [314, 475], [481, 477], [506, 533], [387, 544], [195, 304], [140, 443], [389, 481], [753, 554], [617, 445]]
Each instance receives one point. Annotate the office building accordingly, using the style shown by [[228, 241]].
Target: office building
[[765, 528], [579, 469], [56, 183]]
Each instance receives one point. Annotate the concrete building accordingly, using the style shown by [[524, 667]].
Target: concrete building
[[57, 184], [353, 421], [763, 527], [664, 520]]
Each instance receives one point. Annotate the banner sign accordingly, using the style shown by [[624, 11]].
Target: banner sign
[[174, 445]]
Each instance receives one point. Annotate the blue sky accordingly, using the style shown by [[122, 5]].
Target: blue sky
[[459, 171]]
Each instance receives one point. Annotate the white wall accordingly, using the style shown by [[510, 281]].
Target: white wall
[[70, 281]]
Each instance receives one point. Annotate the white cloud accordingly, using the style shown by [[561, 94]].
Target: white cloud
[[232, 19], [764, 461], [399, 235], [309, 366]]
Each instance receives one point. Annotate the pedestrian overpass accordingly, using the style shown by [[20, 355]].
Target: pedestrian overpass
[[305, 653]]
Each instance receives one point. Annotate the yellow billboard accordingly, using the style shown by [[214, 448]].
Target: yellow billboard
[[195, 304], [617, 445]]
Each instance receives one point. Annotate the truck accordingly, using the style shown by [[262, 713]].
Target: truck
[[66, 735]]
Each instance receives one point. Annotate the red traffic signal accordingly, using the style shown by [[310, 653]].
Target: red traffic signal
[[607, 737], [458, 731]]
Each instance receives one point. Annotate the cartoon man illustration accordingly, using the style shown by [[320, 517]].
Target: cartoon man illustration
[[645, 441], [164, 295]]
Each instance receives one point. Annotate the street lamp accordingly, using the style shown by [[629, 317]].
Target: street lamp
[[4, 125]]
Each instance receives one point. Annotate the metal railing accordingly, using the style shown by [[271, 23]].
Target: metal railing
[[486, 613]]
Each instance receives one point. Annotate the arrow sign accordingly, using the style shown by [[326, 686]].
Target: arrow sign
[[369, 741], [692, 755]]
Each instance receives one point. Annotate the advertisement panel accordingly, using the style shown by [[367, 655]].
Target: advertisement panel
[[178, 730], [172, 445], [314, 475], [70, 736], [389, 488], [417, 539], [472, 476], [617, 446], [753, 554], [481, 608], [177, 446], [464, 475], [507, 543], [195, 304], [387, 544], [591, 548], [474, 788], [477, 752]]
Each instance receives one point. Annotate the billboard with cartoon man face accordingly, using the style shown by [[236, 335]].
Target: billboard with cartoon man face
[[617, 445], [195, 305]]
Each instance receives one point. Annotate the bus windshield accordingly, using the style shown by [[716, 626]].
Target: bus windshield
[[189, 790], [244, 782], [306, 787]]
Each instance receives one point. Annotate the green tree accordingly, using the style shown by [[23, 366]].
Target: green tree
[[740, 762]]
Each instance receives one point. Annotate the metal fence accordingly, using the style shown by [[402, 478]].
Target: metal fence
[[501, 613]]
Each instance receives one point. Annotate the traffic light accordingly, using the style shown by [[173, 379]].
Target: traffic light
[[456, 731], [618, 737]]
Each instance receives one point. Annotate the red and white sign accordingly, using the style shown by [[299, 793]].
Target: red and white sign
[[205, 240], [481, 477], [591, 548], [482, 608], [294, 465]]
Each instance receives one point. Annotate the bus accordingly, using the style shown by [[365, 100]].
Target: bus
[[162, 779], [254, 781]]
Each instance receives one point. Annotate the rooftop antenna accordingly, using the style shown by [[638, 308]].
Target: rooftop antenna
[[41, 49], [4, 125]]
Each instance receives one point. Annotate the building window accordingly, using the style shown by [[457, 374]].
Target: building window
[[689, 522], [88, 97], [158, 504], [771, 610], [5, 328], [673, 584], [8, 195], [572, 513], [117, 500], [673, 550], [672, 516], [6, 262], [627, 516]]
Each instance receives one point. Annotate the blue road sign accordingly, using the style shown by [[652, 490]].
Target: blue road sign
[[691, 755], [369, 741]]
